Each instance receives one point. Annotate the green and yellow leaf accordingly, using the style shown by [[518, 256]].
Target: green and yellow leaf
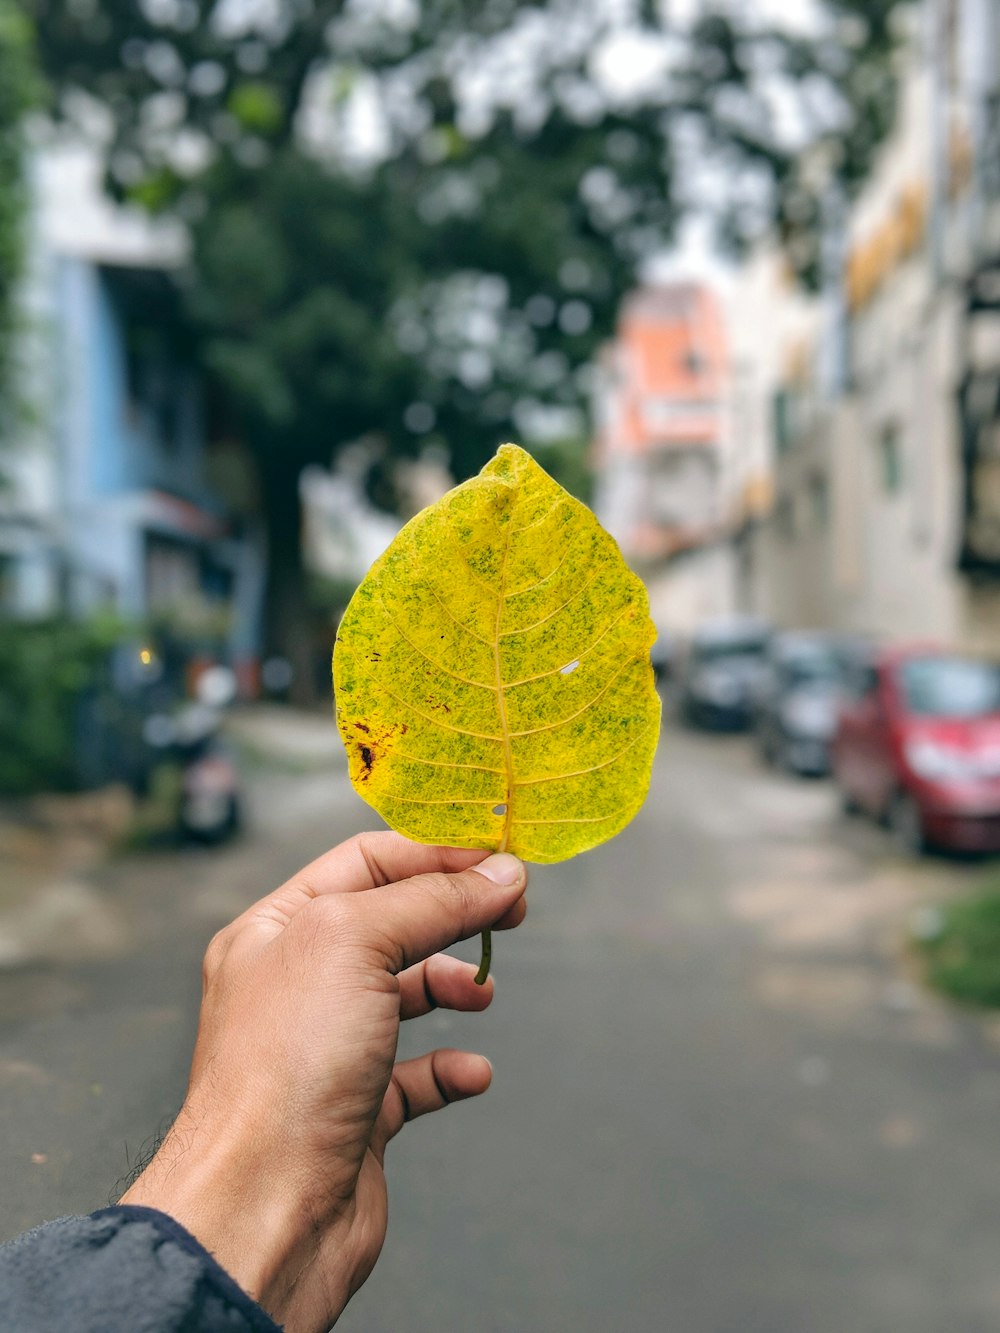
[[492, 672]]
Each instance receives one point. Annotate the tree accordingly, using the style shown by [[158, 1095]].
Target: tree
[[18, 88], [452, 280]]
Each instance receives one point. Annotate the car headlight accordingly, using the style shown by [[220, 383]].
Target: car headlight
[[928, 759]]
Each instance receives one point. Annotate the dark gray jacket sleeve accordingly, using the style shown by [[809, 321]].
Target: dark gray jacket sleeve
[[120, 1270]]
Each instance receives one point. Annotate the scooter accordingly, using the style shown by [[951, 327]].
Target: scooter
[[209, 804]]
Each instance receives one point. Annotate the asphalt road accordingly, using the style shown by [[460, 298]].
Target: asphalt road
[[722, 1099]]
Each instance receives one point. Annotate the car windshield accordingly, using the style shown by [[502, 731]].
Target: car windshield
[[811, 668], [951, 687], [726, 650]]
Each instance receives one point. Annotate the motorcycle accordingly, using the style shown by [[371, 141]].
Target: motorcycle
[[208, 797]]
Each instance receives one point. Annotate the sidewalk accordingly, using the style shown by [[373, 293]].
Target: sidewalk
[[277, 735], [56, 904], [48, 850]]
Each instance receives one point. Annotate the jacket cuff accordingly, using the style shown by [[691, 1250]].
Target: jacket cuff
[[216, 1276]]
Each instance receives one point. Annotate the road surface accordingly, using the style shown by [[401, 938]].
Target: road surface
[[723, 1101]]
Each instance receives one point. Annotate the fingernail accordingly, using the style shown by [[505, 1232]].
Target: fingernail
[[500, 868]]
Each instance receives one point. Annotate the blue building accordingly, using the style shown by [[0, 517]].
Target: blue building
[[112, 504]]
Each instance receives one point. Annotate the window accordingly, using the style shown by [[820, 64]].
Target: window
[[784, 518], [819, 499], [813, 665], [782, 411], [951, 687], [890, 446]]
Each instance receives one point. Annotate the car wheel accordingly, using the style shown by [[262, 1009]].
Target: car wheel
[[906, 824], [786, 759], [848, 804]]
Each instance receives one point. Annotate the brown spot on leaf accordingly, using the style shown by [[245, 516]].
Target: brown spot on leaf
[[361, 726], [367, 758]]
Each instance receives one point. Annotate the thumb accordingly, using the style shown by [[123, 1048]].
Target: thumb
[[420, 916]]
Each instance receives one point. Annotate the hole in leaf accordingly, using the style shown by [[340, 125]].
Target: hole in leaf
[[500, 809], [570, 666]]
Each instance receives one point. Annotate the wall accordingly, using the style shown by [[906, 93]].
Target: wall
[[878, 554]]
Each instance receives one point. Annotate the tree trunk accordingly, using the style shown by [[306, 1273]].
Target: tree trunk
[[289, 622]]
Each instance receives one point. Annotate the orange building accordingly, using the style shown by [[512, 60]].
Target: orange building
[[660, 409]]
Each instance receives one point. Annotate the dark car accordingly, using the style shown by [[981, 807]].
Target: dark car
[[918, 744], [663, 656], [722, 672], [798, 699]]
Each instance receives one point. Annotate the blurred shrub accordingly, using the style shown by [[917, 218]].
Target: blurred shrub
[[567, 461], [964, 954], [49, 670]]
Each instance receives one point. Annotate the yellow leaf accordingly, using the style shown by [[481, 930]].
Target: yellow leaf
[[492, 672]]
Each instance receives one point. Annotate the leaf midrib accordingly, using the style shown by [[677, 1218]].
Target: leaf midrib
[[508, 757]]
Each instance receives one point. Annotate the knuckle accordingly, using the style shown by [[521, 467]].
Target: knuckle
[[333, 921], [346, 929], [453, 892], [364, 847], [215, 953]]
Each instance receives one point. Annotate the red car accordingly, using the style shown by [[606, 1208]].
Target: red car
[[918, 745]]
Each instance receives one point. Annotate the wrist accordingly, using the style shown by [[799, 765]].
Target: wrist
[[222, 1189]]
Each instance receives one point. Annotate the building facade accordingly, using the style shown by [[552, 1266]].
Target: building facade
[[886, 487], [109, 503], [661, 462]]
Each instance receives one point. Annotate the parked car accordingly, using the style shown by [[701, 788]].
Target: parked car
[[797, 702], [663, 657], [722, 672], [918, 745]]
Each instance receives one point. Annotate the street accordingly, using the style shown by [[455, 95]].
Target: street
[[722, 1099]]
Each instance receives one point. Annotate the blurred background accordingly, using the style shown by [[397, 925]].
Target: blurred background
[[274, 274]]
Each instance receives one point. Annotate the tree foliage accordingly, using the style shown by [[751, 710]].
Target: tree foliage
[[447, 273], [18, 89]]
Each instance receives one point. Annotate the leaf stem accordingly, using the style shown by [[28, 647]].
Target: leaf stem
[[485, 959]]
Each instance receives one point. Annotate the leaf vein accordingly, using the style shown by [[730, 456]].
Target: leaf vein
[[463, 680], [577, 772], [448, 612], [475, 577], [435, 722], [443, 763], [597, 819], [455, 800], [572, 598], [555, 671], [516, 532], [551, 726], [508, 758], [531, 587]]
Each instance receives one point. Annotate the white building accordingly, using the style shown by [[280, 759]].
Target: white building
[[886, 510]]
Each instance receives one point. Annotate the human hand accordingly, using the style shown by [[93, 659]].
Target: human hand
[[275, 1161]]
